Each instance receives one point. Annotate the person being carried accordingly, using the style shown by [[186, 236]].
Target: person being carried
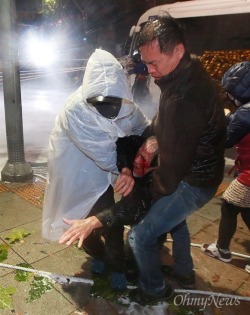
[[236, 198], [82, 168]]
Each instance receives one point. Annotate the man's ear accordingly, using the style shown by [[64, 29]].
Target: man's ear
[[180, 50]]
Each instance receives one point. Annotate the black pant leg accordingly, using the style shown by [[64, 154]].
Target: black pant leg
[[94, 244], [106, 243], [114, 247], [228, 224], [245, 214]]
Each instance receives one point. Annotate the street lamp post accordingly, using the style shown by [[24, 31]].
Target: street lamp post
[[16, 169]]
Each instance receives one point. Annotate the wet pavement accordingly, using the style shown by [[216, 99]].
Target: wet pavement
[[21, 209], [41, 102]]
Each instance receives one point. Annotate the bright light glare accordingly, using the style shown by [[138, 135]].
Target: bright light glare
[[40, 53]]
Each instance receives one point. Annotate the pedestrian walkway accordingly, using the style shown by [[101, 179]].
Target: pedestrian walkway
[[21, 210]]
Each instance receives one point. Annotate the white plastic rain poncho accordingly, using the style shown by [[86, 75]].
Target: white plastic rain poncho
[[82, 145]]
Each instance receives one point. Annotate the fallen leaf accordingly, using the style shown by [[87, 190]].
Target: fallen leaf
[[22, 276], [5, 297], [216, 278], [38, 287], [4, 248], [17, 236]]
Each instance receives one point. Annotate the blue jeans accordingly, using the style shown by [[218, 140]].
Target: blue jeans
[[165, 214], [181, 250]]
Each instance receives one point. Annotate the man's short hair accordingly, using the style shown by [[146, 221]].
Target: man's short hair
[[166, 30]]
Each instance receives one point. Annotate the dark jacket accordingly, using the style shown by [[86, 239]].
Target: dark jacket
[[238, 134], [236, 82], [132, 208], [238, 126], [190, 130]]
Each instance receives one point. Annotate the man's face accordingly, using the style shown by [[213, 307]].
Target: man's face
[[160, 64]]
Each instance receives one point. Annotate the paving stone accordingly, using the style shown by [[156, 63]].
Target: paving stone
[[102, 307], [34, 247], [51, 303], [69, 261], [244, 288], [12, 259], [241, 226], [196, 222], [216, 274], [8, 196], [209, 234], [211, 210], [17, 212]]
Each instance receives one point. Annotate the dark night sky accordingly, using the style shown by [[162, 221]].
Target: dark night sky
[[106, 23]]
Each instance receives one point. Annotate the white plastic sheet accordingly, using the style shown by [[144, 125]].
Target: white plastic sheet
[[82, 149]]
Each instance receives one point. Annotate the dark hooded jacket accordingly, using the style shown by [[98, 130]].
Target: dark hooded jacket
[[190, 130], [236, 81]]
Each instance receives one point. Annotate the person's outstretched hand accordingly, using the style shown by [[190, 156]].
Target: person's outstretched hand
[[79, 229], [125, 182]]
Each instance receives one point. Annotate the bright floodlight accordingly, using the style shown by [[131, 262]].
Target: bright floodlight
[[41, 53]]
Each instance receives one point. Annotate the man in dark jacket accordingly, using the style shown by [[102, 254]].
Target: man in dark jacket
[[189, 130]]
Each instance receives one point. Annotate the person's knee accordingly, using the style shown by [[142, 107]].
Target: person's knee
[[140, 236], [131, 238], [134, 236]]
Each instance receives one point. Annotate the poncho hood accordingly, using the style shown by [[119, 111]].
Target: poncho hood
[[105, 76]]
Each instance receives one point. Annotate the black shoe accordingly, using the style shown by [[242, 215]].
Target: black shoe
[[131, 271], [118, 281], [142, 298], [185, 281], [97, 266]]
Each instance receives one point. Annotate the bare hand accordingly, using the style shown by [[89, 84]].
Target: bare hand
[[125, 182], [80, 229]]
